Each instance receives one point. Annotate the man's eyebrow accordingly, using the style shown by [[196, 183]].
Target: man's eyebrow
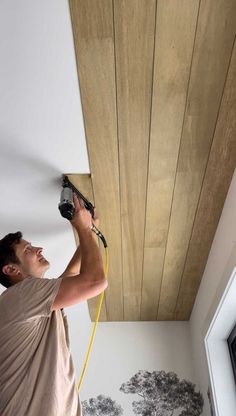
[[27, 244]]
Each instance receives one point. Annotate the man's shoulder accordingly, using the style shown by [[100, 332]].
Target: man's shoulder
[[10, 295], [10, 304], [16, 288], [10, 290]]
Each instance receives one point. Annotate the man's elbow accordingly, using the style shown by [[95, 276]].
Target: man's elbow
[[102, 278], [105, 283]]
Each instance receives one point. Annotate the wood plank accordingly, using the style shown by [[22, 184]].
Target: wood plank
[[134, 46], [83, 182], [175, 31], [218, 176], [214, 41], [94, 44]]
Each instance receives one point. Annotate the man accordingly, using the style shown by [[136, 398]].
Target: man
[[37, 376]]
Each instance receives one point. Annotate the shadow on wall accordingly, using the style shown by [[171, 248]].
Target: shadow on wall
[[30, 189], [210, 398], [18, 163], [21, 158], [162, 394]]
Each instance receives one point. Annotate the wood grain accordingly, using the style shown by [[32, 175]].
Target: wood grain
[[134, 46], [220, 169], [94, 44], [175, 30], [152, 76], [212, 52]]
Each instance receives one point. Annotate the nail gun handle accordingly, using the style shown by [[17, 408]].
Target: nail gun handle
[[88, 205]]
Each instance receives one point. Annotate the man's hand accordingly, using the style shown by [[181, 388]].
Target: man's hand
[[82, 219], [95, 220]]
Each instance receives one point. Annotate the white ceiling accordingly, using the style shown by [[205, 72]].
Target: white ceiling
[[41, 123]]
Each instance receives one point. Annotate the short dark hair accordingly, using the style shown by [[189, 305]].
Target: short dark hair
[[8, 255]]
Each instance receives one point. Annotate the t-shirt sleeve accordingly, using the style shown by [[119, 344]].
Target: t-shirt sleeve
[[37, 296]]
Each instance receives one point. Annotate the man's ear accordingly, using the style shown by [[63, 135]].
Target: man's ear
[[10, 270]]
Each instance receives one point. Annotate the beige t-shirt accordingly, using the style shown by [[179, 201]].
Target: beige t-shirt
[[37, 376]]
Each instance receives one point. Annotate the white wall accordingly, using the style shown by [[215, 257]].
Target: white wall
[[217, 350], [223, 247], [41, 124], [121, 349]]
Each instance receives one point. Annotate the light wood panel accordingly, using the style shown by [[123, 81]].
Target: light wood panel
[[175, 31], [152, 75], [134, 46], [214, 40], [220, 169], [94, 44]]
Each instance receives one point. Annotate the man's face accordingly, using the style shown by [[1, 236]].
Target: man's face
[[32, 262]]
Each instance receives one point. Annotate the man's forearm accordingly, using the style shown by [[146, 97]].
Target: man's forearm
[[73, 267], [91, 258]]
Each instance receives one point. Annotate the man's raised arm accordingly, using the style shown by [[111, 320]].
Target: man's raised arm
[[73, 267], [91, 281]]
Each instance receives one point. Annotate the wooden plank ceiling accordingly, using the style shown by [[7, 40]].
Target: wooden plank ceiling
[[158, 89]]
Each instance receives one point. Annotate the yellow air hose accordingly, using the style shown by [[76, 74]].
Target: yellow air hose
[[95, 324]]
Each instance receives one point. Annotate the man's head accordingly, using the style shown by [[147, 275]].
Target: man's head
[[19, 259]]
